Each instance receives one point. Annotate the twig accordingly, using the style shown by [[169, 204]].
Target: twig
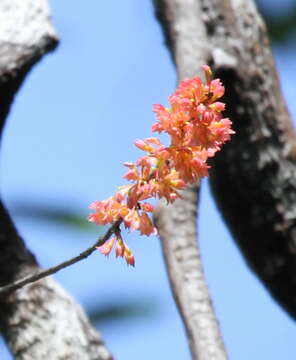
[[52, 270]]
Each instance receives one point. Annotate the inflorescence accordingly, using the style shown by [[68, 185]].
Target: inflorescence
[[197, 130]]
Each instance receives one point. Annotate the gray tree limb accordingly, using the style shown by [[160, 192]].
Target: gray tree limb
[[253, 177], [177, 223], [40, 321]]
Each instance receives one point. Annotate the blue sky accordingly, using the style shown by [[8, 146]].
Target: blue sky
[[72, 125]]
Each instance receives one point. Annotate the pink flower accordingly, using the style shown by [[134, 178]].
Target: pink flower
[[196, 129], [128, 256], [147, 207], [146, 227], [132, 220], [106, 248], [119, 250]]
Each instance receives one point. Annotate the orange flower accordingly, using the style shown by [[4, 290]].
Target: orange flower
[[196, 129], [106, 248], [128, 256]]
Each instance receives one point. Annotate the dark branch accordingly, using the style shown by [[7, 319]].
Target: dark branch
[[54, 269], [253, 177]]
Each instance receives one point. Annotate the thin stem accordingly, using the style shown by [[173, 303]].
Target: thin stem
[[52, 270]]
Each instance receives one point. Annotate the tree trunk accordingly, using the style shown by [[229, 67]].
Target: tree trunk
[[253, 177], [41, 320]]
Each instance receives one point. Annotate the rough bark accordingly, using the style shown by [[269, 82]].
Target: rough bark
[[177, 223], [41, 320], [177, 229], [253, 177]]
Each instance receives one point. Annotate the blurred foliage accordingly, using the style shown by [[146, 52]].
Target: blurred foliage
[[280, 26], [132, 309], [55, 214]]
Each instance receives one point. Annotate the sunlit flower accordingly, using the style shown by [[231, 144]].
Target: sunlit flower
[[196, 129], [106, 248], [128, 256]]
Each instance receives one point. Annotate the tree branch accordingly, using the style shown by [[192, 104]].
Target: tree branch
[[41, 320], [257, 191], [54, 269], [176, 223], [177, 228]]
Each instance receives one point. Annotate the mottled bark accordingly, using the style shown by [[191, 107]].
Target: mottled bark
[[254, 177], [40, 321], [177, 229], [177, 223]]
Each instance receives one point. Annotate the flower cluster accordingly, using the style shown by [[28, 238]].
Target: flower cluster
[[197, 129]]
